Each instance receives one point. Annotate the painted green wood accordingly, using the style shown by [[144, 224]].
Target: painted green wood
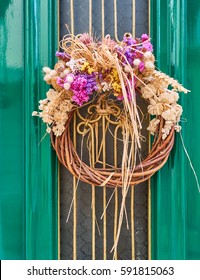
[[175, 26], [12, 185], [28, 192]]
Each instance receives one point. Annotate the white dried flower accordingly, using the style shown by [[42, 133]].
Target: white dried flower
[[136, 62], [46, 70], [153, 125], [156, 109], [69, 79], [46, 118], [177, 128], [149, 65], [47, 77], [106, 86], [169, 97], [35, 113], [166, 97], [179, 111], [62, 75], [148, 54], [166, 129], [51, 94], [67, 86], [53, 73], [148, 91], [175, 95], [43, 101], [169, 115], [173, 114], [41, 107], [75, 64], [66, 72], [58, 129]]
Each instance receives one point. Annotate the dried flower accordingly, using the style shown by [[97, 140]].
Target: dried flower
[[83, 86], [148, 91], [109, 67], [34, 113], [153, 125]]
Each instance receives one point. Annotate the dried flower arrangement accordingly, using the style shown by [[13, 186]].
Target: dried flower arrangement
[[87, 66], [89, 69]]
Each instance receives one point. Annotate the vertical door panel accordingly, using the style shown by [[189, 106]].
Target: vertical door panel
[[28, 170], [175, 196], [12, 204]]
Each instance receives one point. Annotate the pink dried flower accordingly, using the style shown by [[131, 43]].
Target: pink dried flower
[[86, 39], [60, 82], [141, 66]]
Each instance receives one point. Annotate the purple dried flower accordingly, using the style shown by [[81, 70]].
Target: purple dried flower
[[148, 46], [144, 37], [62, 55], [83, 86], [130, 55]]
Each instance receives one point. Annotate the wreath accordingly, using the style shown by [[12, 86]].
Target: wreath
[[91, 70]]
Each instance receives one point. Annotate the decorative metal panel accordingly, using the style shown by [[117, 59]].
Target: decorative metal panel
[[84, 235]]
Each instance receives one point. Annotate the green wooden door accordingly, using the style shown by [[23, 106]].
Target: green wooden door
[[175, 27], [28, 169]]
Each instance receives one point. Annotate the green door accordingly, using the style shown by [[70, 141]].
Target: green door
[[28, 169], [175, 27]]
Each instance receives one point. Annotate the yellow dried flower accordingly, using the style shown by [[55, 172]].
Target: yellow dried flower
[[87, 68]]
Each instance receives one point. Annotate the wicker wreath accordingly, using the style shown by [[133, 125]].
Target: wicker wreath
[[156, 158], [86, 67]]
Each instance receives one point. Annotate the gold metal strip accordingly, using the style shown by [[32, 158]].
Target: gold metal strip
[[149, 219], [149, 148], [72, 16], [104, 190], [74, 140], [59, 238], [93, 223], [92, 157], [59, 249], [90, 17], [93, 194], [115, 21], [74, 198], [102, 19], [133, 207], [133, 18], [132, 222], [116, 191]]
